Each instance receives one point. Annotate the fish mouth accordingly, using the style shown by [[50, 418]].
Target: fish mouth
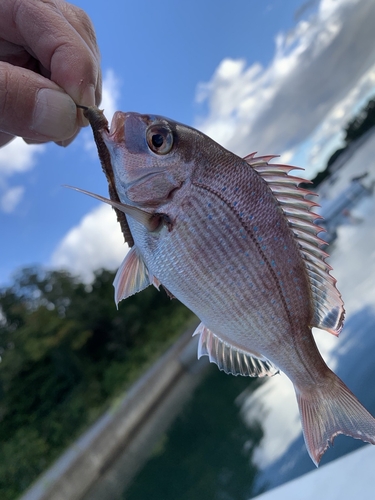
[[99, 125], [123, 123], [116, 129]]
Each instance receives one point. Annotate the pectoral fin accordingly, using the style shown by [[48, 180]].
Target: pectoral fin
[[231, 359], [132, 276]]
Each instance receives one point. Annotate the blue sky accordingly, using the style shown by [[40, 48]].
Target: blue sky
[[273, 76]]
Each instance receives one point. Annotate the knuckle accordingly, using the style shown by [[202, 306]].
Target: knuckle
[[85, 20], [82, 22], [16, 99]]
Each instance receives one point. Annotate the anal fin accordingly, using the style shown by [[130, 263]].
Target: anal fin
[[231, 359]]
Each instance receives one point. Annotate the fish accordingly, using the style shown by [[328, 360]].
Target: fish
[[235, 240]]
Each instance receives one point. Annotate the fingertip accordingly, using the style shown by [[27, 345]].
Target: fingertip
[[66, 142], [88, 96], [5, 138], [32, 142], [88, 99], [55, 114], [98, 89]]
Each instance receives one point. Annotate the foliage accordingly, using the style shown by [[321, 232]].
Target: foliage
[[66, 352], [361, 123]]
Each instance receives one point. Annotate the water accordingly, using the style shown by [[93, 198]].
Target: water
[[237, 437], [208, 451]]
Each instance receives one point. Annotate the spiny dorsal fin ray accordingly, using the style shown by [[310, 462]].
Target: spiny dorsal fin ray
[[297, 201], [328, 305], [310, 237], [285, 190], [231, 359]]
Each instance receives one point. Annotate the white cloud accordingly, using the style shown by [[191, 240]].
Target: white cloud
[[15, 158], [11, 198], [317, 76], [274, 404], [94, 243], [111, 93]]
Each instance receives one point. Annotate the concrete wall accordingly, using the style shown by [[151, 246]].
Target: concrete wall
[[108, 455]]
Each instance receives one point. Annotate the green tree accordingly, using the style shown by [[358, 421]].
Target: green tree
[[66, 352]]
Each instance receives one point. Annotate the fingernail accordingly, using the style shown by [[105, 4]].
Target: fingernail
[[88, 96], [55, 115], [88, 99]]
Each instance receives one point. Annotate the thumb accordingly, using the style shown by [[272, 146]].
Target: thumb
[[34, 107]]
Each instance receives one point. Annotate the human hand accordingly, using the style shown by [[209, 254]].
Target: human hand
[[49, 60]]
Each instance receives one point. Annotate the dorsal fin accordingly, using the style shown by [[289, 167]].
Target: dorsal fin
[[231, 359], [328, 305]]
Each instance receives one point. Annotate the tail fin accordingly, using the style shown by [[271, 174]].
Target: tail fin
[[331, 409]]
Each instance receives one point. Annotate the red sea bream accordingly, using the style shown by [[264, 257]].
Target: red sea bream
[[236, 241]]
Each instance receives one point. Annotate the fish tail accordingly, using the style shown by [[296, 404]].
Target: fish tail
[[330, 409]]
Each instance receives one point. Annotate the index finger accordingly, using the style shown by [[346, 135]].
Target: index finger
[[67, 52]]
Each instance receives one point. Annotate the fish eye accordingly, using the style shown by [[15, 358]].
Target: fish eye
[[159, 139]]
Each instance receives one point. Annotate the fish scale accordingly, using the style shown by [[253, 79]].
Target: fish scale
[[273, 242], [202, 257], [236, 241], [179, 259]]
